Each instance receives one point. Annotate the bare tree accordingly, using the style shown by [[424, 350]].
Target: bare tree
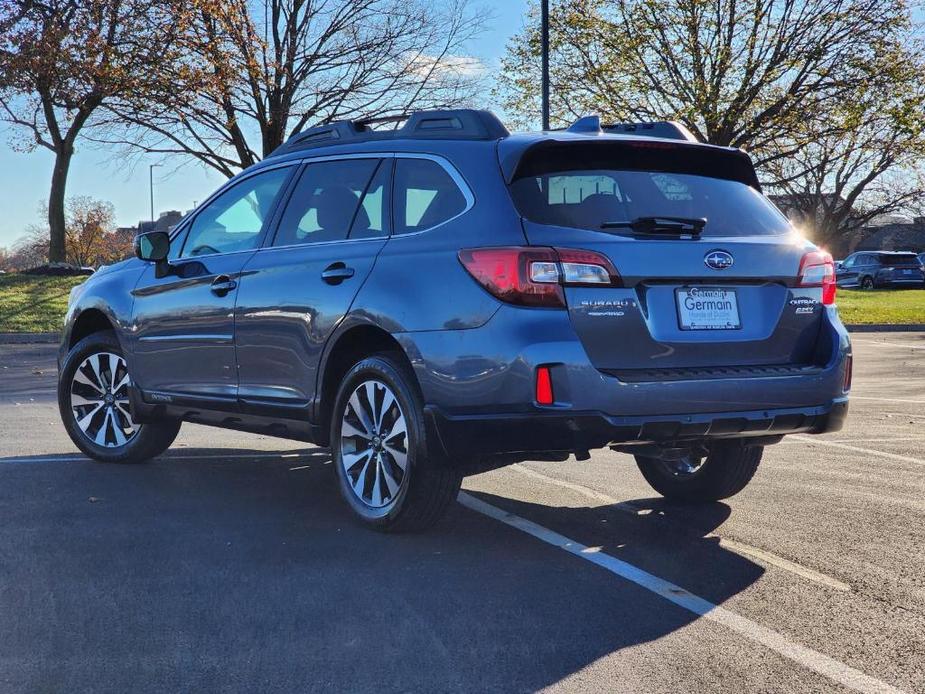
[[826, 95], [276, 66], [62, 60]]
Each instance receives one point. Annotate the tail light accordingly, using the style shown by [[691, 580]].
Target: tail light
[[817, 269], [534, 276]]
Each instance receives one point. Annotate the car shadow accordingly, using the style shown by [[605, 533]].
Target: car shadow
[[240, 569]]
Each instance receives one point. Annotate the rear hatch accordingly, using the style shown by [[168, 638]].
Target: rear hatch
[[899, 267], [708, 268]]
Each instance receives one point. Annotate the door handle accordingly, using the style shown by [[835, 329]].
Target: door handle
[[222, 284], [335, 273]]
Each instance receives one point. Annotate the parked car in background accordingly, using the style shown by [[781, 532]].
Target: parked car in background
[[921, 257], [875, 269]]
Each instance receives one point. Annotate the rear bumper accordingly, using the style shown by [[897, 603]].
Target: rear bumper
[[462, 437]]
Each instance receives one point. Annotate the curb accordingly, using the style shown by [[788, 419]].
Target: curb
[[886, 328], [29, 338]]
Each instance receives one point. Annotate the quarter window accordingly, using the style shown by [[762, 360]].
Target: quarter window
[[425, 195], [325, 204], [234, 220]]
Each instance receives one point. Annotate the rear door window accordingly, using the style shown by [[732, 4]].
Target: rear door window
[[325, 204], [424, 195]]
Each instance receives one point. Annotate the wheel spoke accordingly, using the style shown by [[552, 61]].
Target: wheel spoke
[[390, 482], [348, 430], [80, 401], [94, 362], [84, 421], [117, 429], [361, 414], [398, 430], [387, 401], [371, 399], [101, 435], [377, 490], [81, 377], [400, 457], [350, 460], [123, 382], [360, 483]]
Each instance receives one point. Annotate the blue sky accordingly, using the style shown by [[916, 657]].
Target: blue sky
[[24, 178]]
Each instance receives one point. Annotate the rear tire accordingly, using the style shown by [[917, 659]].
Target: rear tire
[[724, 472], [379, 450], [94, 405]]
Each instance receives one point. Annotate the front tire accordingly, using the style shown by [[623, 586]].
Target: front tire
[[723, 472], [867, 283], [379, 450], [95, 408]]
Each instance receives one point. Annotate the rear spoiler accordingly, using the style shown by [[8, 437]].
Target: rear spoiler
[[566, 152]]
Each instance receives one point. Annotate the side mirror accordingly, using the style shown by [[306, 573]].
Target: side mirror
[[153, 246]]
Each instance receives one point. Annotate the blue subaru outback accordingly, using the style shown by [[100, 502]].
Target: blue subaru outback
[[445, 297]]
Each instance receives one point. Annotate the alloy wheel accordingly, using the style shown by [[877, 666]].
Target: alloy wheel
[[99, 400], [374, 444], [685, 466]]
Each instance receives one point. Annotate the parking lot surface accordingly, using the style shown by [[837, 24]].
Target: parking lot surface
[[230, 564]]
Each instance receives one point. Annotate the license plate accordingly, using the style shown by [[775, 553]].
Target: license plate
[[907, 272], [708, 308]]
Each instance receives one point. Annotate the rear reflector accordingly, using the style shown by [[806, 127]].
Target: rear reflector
[[544, 394], [534, 276], [817, 269], [849, 367]]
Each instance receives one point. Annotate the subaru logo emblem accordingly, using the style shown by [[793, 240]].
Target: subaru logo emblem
[[718, 260]]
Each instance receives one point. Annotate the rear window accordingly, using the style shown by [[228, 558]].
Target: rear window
[[589, 198], [898, 259]]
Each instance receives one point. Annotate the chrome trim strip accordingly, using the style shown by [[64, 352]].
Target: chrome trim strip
[[214, 339]]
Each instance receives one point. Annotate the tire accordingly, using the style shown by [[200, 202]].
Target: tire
[[97, 415], [724, 472], [867, 283], [378, 398]]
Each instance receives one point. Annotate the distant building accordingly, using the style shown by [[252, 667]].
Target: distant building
[[908, 236], [165, 221]]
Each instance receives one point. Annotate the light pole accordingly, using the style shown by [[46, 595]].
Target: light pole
[[544, 17], [151, 168]]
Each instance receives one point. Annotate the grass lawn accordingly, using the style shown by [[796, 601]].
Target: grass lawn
[[893, 306], [33, 304]]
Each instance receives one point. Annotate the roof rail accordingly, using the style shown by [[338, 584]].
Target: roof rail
[[667, 129], [456, 124]]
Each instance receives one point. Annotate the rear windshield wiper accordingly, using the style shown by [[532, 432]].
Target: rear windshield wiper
[[661, 225]]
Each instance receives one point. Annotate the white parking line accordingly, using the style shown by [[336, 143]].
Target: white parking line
[[820, 663], [730, 545], [858, 449]]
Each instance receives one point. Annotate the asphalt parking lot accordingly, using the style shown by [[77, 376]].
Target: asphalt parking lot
[[230, 564]]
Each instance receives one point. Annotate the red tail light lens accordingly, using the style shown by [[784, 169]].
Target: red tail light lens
[[817, 269], [544, 395], [534, 276]]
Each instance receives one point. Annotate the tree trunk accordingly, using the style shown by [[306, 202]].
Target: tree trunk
[[56, 247]]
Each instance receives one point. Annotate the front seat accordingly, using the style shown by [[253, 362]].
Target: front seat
[[335, 208]]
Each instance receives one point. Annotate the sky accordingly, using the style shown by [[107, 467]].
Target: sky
[[25, 177]]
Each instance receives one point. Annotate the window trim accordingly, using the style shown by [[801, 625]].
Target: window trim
[[187, 223]]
